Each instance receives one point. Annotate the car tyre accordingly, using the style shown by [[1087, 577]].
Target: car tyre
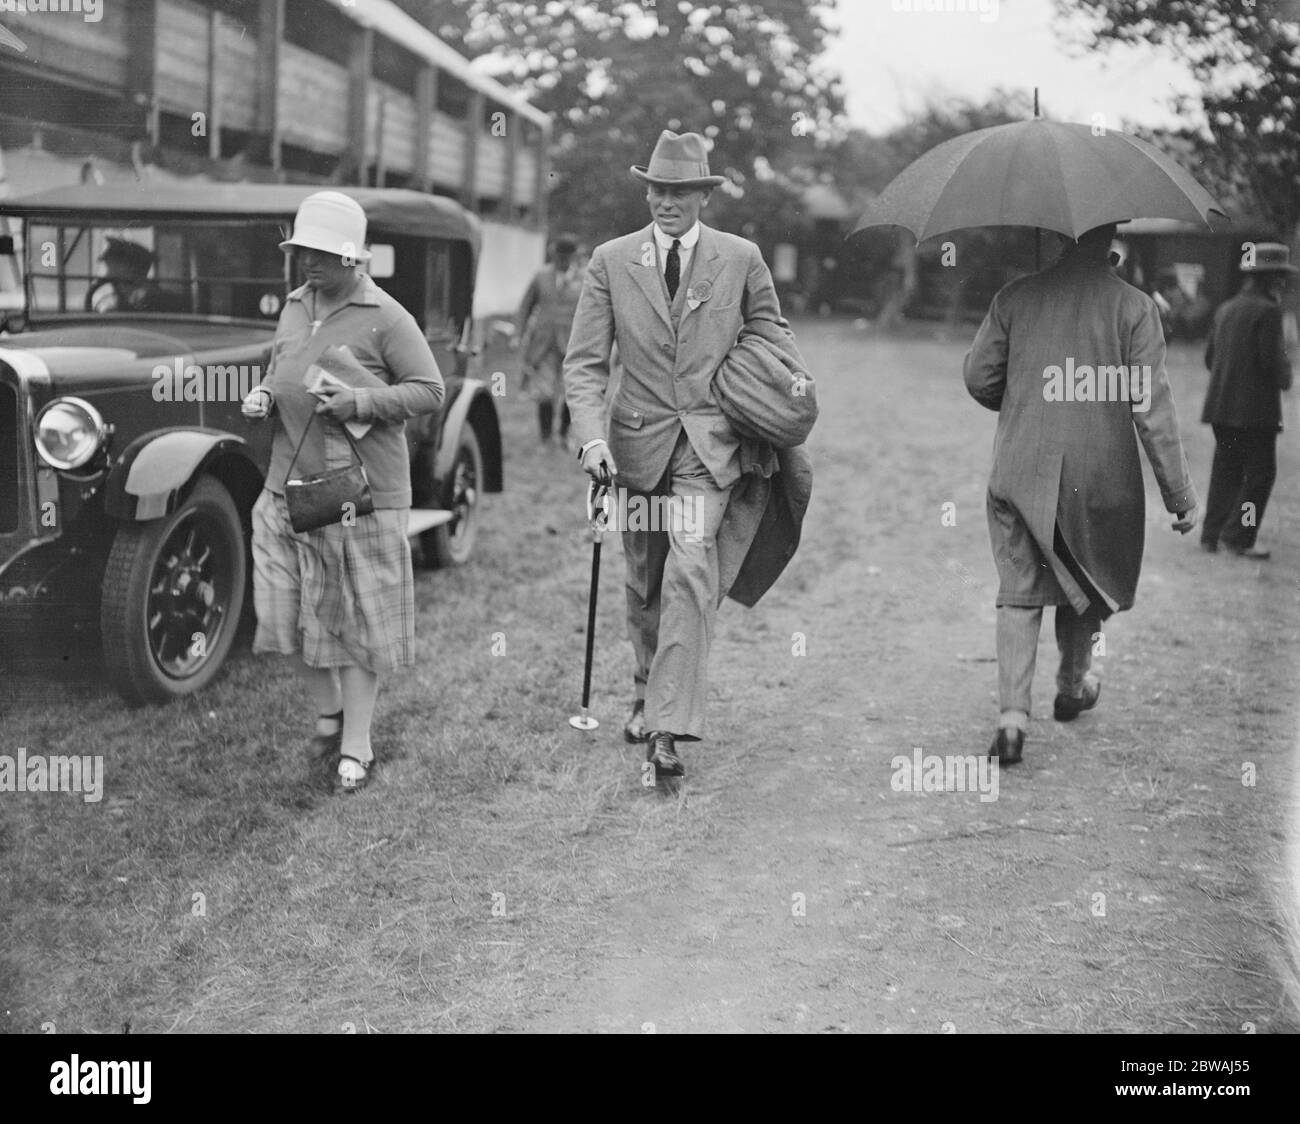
[[172, 595], [453, 543]]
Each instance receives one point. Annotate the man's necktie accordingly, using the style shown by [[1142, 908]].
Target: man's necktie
[[673, 272]]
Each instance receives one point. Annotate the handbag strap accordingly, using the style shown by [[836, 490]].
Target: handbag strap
[[356, 453]]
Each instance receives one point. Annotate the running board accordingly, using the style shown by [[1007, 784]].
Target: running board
[[423, 519]]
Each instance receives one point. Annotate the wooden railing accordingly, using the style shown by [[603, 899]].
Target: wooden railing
[[200, 61]]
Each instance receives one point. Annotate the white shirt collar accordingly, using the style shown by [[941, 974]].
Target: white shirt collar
[[687, 240]]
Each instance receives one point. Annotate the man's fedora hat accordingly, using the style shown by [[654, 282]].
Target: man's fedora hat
[[679, 160], [1271, 257]]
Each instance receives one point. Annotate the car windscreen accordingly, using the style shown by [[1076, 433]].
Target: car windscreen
[[113, 267]]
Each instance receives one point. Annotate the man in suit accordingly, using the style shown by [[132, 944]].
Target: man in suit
[[1249, 369], [1073, 360], [545, 320], [673, 297]]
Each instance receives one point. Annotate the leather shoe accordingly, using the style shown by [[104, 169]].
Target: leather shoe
[[1258, 553], [1066, 708], [663, 753], [634, 728], [1009, 745]]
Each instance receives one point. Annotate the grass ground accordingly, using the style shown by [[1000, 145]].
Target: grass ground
[[505, 872]]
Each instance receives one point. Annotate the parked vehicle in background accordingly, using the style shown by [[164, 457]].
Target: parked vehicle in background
[[127, 472]]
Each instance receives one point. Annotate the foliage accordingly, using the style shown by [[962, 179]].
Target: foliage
[[1246, 56], [613, 73]]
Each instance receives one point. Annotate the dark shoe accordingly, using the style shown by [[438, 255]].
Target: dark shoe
[[1066, 708], [1209, 546], [322, 746], [634, 728], [354, 774], [1258, 553], [1009, 745], [663, 754]]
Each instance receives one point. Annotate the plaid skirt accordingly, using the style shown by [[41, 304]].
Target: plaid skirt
[[339, 596]]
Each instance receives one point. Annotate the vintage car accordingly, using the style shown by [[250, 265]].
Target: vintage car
[[127, 472]]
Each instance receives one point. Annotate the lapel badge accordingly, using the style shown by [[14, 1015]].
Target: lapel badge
[[696, 295], [647, 253]]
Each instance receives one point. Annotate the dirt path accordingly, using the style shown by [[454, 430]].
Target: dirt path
[[1124, 878]]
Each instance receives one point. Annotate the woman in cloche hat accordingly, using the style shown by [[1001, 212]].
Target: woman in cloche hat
[[340, 599]]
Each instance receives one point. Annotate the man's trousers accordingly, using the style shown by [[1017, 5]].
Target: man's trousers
[[1244, 470], [672, 591], [1018, 630]]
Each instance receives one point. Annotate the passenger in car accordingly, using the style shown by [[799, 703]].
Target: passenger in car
[[125, 286]]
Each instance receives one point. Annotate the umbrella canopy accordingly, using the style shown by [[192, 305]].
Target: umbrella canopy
[[1053, 175]]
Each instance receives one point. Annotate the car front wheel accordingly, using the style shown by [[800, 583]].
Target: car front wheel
[[452, 543], [172, 594]]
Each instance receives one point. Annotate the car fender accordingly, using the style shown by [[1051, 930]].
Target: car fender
[[146, 482], [473, 397]]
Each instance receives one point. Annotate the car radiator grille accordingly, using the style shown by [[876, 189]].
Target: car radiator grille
[[8, 459]]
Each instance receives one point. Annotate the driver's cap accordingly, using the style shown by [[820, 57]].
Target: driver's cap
[[331, 222]]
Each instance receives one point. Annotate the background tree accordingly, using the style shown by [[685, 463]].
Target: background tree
[[1246, 56], [613, 73]]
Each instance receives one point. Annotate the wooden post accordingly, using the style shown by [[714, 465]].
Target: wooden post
[[354, 159], [514, 122], [214, 86], [543, 189], [426, 90], [381, 112], [142, 62], [266, 122], [473, 126]]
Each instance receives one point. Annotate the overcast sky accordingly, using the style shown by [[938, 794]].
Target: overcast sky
[[890, 60]]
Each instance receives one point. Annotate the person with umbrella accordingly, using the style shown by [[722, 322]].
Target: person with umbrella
[[1249, 368], [1073, 360]]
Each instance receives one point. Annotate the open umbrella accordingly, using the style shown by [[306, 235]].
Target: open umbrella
[[1052, 175]]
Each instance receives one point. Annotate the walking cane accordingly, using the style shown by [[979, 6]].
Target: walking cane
[[598, 518]]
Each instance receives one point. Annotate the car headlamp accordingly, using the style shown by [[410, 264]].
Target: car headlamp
[[69, 431]]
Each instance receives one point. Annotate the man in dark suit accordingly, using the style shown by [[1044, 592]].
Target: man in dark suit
[[674, 297], [1249, 369]]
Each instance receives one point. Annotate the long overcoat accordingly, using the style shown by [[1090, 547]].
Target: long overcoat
[[1073, 360]]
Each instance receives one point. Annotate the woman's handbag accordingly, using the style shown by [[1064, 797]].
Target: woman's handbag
[[327, 497]]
